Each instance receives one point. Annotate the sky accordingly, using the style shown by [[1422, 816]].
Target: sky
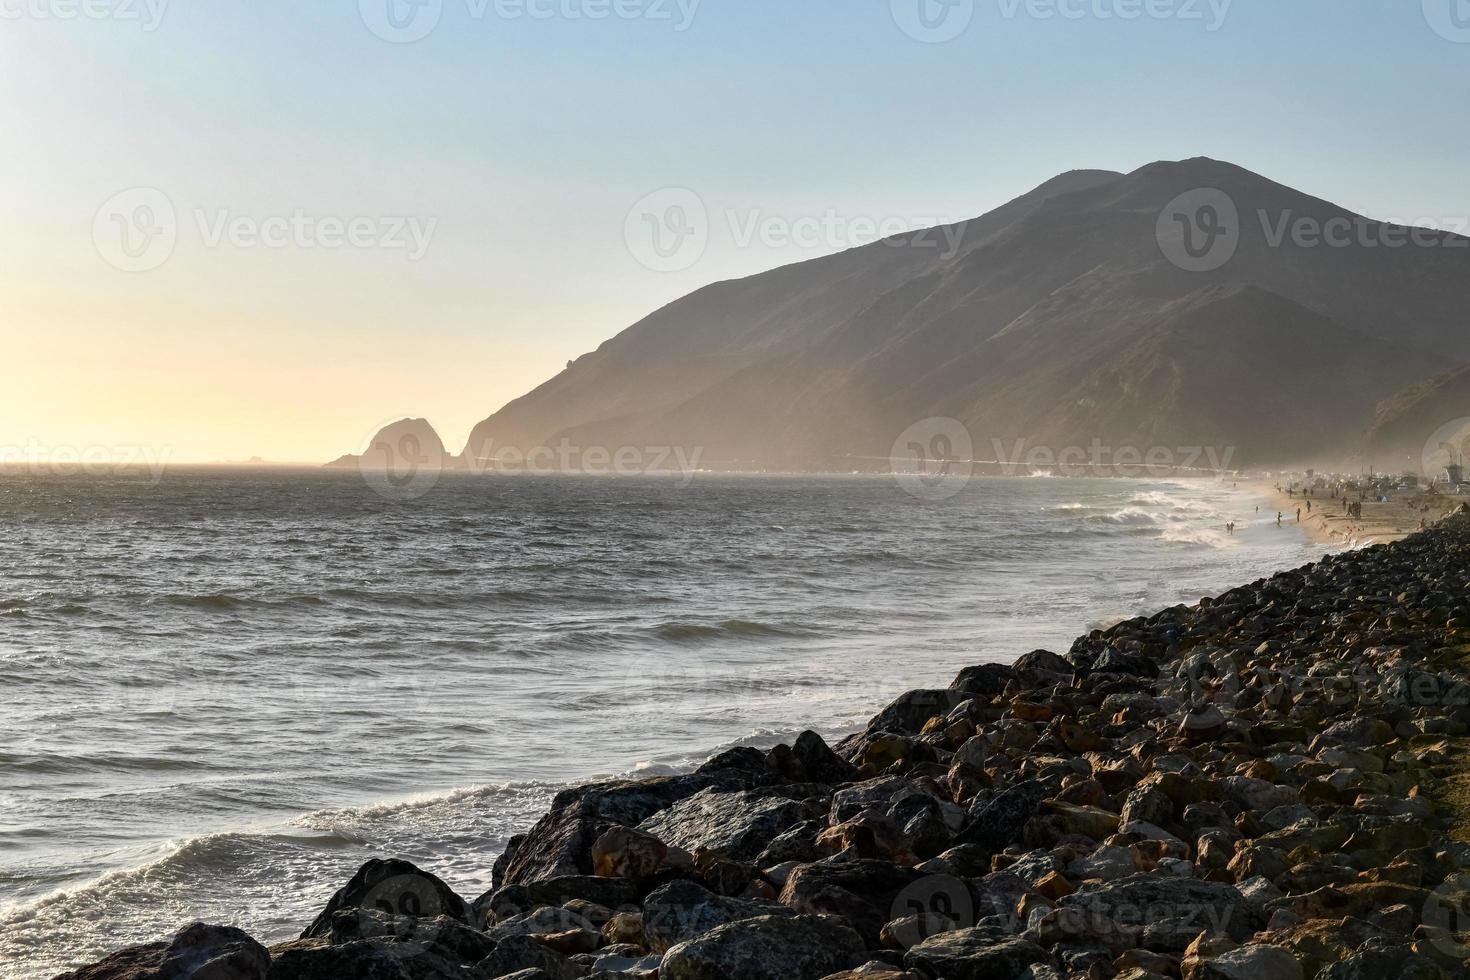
[[266, 229]]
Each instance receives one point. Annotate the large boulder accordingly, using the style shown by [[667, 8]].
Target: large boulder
[[519, 953], [682, 910], [408, 935], [197, 952], [974, 954], [996, 822], [819, 764], [395, 888], [513, 900], [373, 959], [1171, 912], [907, 713], [1251, 963], [804, 947], [983, 681], [560, 845], [864, 893], [1042, 668], [738, 825]]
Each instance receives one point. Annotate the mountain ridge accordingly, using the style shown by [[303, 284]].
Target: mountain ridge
[[1057, 319]]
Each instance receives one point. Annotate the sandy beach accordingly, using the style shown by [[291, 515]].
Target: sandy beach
[[1327, 523]]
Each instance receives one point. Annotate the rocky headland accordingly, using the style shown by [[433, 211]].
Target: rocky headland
[[1269, 785]]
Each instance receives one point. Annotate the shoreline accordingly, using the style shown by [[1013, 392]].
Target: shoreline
[[1218, 787], [1381, 523]]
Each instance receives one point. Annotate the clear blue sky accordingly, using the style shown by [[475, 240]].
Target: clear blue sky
[[526, 140]]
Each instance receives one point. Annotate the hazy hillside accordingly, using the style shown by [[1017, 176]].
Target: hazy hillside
[[1060, 321], [1409, 430]]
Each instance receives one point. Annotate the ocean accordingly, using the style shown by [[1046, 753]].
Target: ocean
[[222, 693]]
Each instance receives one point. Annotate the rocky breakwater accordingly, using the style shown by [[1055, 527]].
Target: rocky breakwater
[[1253, 788]]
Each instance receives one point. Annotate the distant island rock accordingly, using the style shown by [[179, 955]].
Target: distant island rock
[[405, 446]]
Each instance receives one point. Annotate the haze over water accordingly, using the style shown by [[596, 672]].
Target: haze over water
[[227, 691]]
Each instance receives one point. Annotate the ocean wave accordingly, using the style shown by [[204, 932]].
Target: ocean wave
[[1207, 537], [685, 632], [218, 601]]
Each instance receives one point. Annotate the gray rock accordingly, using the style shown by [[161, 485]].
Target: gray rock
[[198, 950], [682, 910], [738, 825], [1169, 908], [974, 954], [998, 822], [396, 888], [802, 947], [524, 953], [1042, 668]]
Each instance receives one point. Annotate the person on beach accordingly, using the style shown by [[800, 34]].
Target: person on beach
[[1298, 515], [1279, 515], [1309, 506]]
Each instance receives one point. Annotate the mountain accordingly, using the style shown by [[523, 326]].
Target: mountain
[[1071, 314], [1413, 428]]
